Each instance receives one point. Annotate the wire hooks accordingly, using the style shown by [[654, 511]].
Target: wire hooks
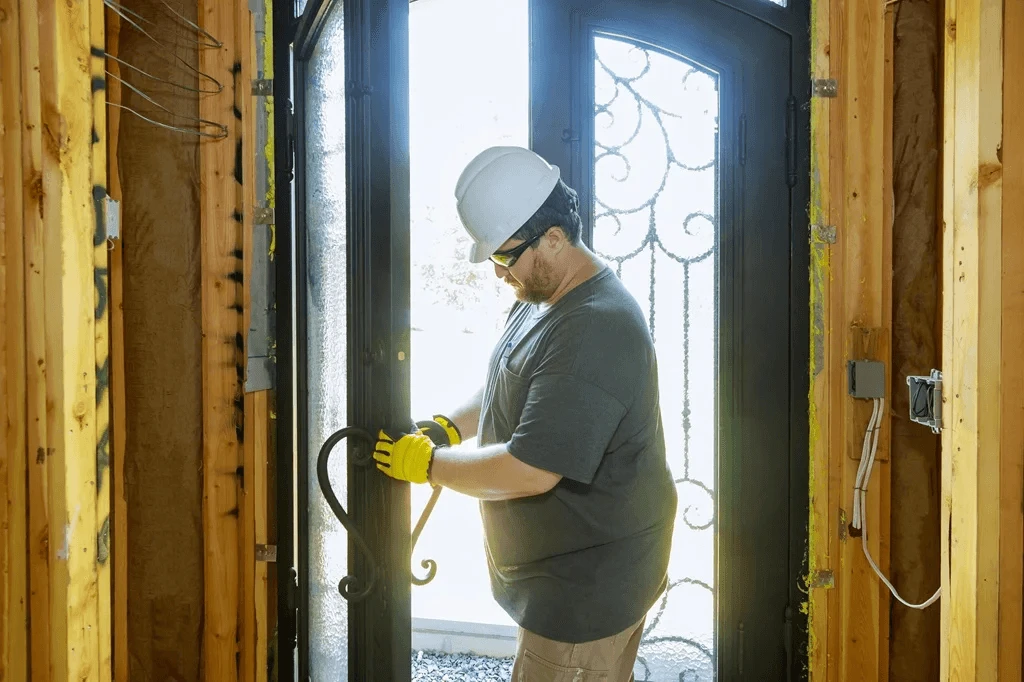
[[198, 38]]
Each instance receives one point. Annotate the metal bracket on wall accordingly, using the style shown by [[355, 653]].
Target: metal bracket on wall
[[823, 578], [263, 215], [824, 233], [112, 217], [824, 87], [263, 87]]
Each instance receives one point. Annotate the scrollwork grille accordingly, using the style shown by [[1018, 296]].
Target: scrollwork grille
[[656, 218]]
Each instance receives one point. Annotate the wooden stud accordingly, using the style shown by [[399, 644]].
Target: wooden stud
[[70, 340], [820, 529], [960, 364], [247, 200], [948, 167], [119, 524], [41, 197], [222, 350], [1011, 495], [989, 283], [860, 300], [101, 302], [14, 598]]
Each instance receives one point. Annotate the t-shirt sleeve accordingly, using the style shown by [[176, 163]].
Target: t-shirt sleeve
[[566, 426]]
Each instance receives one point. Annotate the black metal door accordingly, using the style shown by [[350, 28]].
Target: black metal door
[[719, 258], [342, 65], [684, 127]]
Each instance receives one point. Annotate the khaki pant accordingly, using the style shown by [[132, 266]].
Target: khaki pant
[[611, 659]]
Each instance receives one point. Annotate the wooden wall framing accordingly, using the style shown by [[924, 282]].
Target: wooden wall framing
[[54, 344], [851, 304], [983, 355]]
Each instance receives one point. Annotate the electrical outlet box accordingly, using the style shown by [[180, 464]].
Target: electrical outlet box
[[867, 379]]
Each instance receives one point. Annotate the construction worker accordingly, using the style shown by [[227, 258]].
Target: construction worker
[[577, 500]]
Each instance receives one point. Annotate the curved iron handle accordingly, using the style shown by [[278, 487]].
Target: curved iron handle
[[349, 585], [428, 564]]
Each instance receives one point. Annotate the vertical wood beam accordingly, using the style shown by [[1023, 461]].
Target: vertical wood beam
[[42, 198], [101, 302], [1011, 495], [861, 300], [70, 341], [821, 596], [253, 462], [119, 517], [972, 340], [222, 347], [13, 465]]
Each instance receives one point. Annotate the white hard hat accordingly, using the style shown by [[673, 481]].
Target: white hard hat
[[498, 192]]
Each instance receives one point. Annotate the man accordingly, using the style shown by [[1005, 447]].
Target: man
[[577, 500]]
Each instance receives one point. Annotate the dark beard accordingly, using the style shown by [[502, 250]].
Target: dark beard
[[538, 288]]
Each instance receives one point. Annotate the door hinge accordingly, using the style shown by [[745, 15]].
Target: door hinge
[[263, 215], [791, 141], [787, 638], [825, 87], [290, 128], [739, 647], [263, 87], [824, 233], [266, 553], [742, 141]]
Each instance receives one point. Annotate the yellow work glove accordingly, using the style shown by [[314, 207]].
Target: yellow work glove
[[406, 457], [441, 430]]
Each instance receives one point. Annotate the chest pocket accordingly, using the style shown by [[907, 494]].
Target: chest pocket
[[510, 391]]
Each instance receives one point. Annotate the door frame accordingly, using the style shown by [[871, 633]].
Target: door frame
[[378, 213]]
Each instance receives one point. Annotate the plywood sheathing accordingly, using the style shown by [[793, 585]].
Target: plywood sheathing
[[162, 359], [916, 471]]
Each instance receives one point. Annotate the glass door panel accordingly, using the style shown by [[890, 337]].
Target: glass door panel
[[325, 342], [469, 89], [656, 221]]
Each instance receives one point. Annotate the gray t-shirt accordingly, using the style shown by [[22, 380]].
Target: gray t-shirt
[[573, 389]]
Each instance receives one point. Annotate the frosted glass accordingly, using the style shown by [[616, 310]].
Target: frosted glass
[[326, 343], [458, 309], [656, 219]]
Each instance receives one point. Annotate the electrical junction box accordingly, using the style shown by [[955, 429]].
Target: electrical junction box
[[867, 379]]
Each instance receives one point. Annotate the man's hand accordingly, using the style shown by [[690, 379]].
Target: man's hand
[[406, 457]]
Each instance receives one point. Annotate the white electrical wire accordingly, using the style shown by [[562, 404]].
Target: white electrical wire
[[860, 495]]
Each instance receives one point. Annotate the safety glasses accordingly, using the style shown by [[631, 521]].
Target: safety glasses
[[507, 259]]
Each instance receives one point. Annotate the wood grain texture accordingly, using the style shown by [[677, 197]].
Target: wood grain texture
[[42, 197], [1011, 495], [949, 156], [14, 597], [70, 345], [989, 338], [119, 503], [222, 349], [860, 300], [821, 528], [252, 460], [101, 303], [960, 367]]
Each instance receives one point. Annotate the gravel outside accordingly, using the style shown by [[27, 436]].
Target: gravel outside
[[431, 666]]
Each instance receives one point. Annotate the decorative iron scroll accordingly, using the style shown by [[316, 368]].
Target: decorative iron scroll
[[351, 588], [656, 215]]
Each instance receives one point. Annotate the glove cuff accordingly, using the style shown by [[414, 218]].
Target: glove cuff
[[454, 435]]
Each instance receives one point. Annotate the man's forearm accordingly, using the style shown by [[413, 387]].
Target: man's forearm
[[467, 415], [489, 473]]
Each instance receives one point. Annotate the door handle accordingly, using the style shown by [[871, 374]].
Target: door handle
[[351, 588], [428, 564]]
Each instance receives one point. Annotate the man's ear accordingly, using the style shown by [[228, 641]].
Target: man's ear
[[556, 238]]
